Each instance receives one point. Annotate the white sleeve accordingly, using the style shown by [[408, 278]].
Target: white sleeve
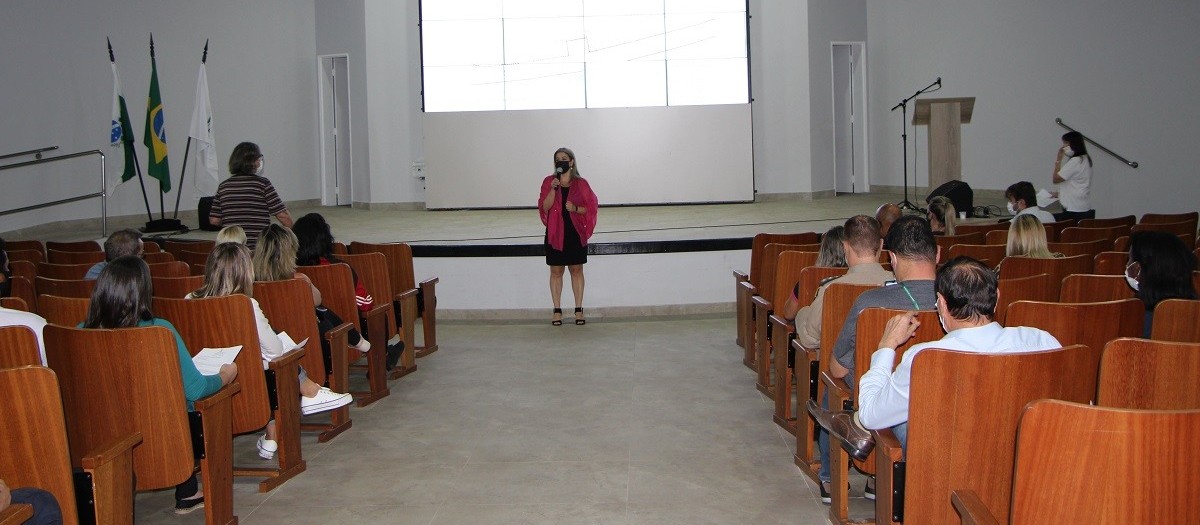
[[37, 330], [883, 394], [269, 342], [1072, 168]]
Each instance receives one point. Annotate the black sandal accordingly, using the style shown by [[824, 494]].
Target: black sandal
[[557, 322], [579, 320]]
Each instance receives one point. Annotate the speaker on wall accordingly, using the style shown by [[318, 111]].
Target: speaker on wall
[[959, 193]]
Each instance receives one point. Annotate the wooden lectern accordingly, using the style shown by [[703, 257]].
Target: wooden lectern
[[944, 116]]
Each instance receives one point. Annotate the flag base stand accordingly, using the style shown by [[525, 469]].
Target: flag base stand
[[165, 225]]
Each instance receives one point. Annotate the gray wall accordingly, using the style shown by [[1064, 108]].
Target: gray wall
[[829, 21], [780, 87], [341, 29], [1124, 73]]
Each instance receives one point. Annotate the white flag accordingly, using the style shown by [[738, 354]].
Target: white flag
[[202, 132]]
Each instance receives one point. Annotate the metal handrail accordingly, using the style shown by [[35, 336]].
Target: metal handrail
[[37, 153], [103, 193], [1127, 162]]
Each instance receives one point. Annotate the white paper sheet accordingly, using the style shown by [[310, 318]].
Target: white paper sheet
[[210, 360]]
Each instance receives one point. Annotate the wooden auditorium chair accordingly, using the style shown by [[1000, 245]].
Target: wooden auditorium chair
[[1092, 288], [784, 347], [1000, 237], [1128, 220], [195, 260], [1185, 230], [33, 256], [982, 252], [962, 425], [984, 228], [781, 272], [403, 276], [170, 268], [1121, 244], [1110, 263], [1090, 324], [372, 270], [1161, 218], [1149, 375], [74, 246], [116, 382], [1107, 477], [25, 245], [946, 241], [871, 323], [35, 452], [157, 257], [64, 311], [339, 248], [26, 269], [64, 287], [1176, 320], [150, 246], [64, 271], [745, 311], [18, 347], [1078, 234], [337, 293], [176, 287], [13, 303], [1058, 268], [1057, 227], [173, 247], [1071, 249], [222, 322], [755, 333], [22, 289], [1038, 287], [59, 257], [838, 299], [288, 304]]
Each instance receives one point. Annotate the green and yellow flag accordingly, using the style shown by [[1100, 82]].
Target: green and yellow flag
[[156, 133]]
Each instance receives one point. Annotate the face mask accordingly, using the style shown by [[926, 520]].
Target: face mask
[[1130, 280], [1068, 152], [262, 166], [561, 166], [1012, 210]]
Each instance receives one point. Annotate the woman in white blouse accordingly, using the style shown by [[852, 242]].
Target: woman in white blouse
[[1073, 177]]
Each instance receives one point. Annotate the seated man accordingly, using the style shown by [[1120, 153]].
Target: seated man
[[966, 303], [862, 245], [913, 253], [887, 214], [1022, 200], [119, 244]]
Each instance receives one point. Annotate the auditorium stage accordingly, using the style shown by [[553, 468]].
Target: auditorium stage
[[645, 260]]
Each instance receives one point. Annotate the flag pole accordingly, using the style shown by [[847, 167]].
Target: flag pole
[[112, 58], [187, 148]]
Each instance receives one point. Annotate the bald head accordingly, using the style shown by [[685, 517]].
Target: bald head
[[886, 215]]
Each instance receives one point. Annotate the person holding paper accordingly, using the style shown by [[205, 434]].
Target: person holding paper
[[229, 271], [122, 299]]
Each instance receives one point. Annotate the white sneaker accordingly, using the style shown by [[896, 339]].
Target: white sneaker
[[325, 399], [267, 447], [363, 345]]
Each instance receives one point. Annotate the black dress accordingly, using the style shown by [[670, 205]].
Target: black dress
[[573, 252]]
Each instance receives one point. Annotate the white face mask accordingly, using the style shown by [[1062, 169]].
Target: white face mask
[[1068, 152], [262, 166], [1133, 283], [1012, 210]]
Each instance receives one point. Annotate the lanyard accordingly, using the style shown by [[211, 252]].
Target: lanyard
[[910, 296]]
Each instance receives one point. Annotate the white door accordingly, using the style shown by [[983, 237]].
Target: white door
[[849, 113], [336, 164]]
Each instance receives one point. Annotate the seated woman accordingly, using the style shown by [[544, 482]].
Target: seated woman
[[122, 299], [316, 249], [1160, 268], [941, 216], [229, 272], [232, 233], [832, 254]]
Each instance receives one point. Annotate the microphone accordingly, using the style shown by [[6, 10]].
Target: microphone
[[558, 170]]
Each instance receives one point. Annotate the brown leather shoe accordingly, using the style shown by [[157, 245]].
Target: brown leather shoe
[[855, 439]]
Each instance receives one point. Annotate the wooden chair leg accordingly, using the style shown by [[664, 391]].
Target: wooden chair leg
[[216, 467], [408, 309], [746, 322], [376, 359], [111, 468], [784, 415], [428, 319], [738, 279], [805, 372], [338, 381], [762, 347], [286, 388]]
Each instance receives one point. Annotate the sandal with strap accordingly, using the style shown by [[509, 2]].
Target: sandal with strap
[[557, 322], [579, 320]]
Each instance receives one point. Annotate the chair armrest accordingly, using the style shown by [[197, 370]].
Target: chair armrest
[[16, 514], [291, 358], [739, 276], [430, 282], [806, 362], [839, 391], [971, 509], [405, 294], [376, 311], [747, 287], [111, 451], [220, 396], [111, 467], [761, 303], [888, 453], [786, 327]]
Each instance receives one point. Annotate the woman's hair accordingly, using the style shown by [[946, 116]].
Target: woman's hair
[[570, 155], [1166, 267], [275, 255], [244, 159], [1027, 237], [833, 252], [1075, 140], [122, 296], [315, 239], [232, 233], [228, 271], [942, 210]]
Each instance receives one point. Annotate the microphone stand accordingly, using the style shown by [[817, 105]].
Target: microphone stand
[[903, 105]]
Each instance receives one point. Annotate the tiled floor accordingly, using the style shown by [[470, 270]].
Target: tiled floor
[[654, 422]]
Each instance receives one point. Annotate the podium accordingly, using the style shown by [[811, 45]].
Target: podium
[[945, 117]]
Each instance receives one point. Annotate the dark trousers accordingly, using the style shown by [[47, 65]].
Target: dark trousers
[[1075, 215], [45, 507]]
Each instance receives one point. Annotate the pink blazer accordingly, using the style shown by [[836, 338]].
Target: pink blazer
[[581, 195]]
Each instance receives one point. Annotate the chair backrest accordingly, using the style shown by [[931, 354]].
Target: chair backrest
[[64, 311], [372, 271], [176, 287], [1071, 249], [1038, 287], [763, 239], [33, 256], [984, 228], [1001, 236], [192, 258], [838, 299], [989, 252], [1153, 218], [74, 246], [339, 248], [170, 268], [336, 284], [399, 263], [150, 246], [1078, 234], [33, 439], [1057, 227], [57, 257], [1114, 473], [1110, 263], [25, 245], [1121, 244], [1185, 230], [22, 289], [1176, 320], [116, 382], [64, 287], [788, 266], [14, 303], [1093, 288], [64, 271], [946, 241], [810, 279], [1091, 324], [1128, 220], [1058, 268], [963, 414], [1149, 375], [157, 257], [18, 347], [26, 269], [288, 304], [174, 247], [220, 322]]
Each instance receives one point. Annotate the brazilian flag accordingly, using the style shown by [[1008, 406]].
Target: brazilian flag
[[156, 133]]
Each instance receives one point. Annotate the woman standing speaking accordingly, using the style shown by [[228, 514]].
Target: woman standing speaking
[[568, 209]]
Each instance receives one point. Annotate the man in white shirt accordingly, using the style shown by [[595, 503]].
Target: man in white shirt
[[1022, 200], [966, 303], [9, 317]]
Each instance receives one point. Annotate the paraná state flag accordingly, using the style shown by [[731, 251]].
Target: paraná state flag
[[121, 135]]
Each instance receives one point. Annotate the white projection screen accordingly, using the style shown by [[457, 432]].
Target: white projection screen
[[652, 95]]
